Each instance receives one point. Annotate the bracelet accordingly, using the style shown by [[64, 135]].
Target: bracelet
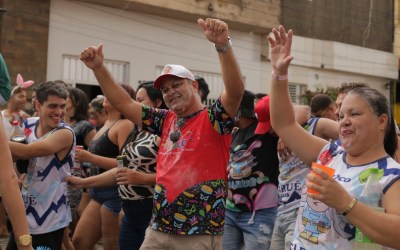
[[223, 48], [350, 207], [278, 77]]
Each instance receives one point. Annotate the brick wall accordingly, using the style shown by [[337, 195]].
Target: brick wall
[[24, 37], [342, 21]]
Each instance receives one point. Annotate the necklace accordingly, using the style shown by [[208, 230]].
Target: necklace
[[104, 128], [175, 135]]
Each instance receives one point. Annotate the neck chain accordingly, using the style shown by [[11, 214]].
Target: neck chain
[[180, 122]]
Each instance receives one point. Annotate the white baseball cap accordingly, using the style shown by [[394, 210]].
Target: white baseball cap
[[173, 70]]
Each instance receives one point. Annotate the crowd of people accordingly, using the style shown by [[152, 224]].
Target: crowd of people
[[160, 168]]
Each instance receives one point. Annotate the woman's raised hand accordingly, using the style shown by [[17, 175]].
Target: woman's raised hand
[[280, 44]]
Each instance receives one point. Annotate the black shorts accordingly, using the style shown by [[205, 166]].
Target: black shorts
[[50, 241]]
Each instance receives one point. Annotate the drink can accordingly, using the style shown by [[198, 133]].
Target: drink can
[[122, 161], [76, 169]]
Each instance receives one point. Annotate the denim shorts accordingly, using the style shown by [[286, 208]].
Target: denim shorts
[[283, 230], [248, 229], [108, 197]]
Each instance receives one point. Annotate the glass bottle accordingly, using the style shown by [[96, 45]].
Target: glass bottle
[[372, 197]]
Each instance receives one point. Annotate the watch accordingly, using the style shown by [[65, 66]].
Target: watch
[[24, 240], [224, 48]]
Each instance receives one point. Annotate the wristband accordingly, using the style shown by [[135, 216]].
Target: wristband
[[350, 207], [278, 77], [223, 48]]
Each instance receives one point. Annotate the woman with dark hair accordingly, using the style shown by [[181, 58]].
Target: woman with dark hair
[[76, 116], [101, 216], [147, 94], [322, 105], [136, 180], [327, 217], [97, 114]]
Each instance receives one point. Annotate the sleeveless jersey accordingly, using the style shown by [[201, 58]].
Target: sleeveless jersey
[[44, 190]]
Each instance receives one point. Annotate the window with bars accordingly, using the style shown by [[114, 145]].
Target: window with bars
[[296, 90], [75, 71]]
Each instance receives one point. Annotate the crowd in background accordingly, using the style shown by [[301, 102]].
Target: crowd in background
[[233, 174]]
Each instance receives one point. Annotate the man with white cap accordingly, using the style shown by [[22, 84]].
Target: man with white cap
[[190, 190]]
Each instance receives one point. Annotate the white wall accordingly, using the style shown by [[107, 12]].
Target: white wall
[[142, 40], [147, 42]]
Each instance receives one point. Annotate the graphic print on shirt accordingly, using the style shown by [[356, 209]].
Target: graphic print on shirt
[[291, 178], [315, 220], [242, 176], [242, 161], [189, 215]]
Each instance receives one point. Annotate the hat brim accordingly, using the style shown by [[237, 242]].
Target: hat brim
[[2, 10], [160, 80], [262, 128]]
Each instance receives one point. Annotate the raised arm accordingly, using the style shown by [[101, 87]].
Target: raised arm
[[281, 108], [216, 31], [93, 58]]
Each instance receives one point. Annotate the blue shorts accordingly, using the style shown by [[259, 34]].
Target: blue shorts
[[248, 230], [108, 197]]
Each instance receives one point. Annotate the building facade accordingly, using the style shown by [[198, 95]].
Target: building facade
[[334, 41]]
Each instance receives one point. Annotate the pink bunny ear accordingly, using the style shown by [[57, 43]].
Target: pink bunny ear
[[22, 84], [27, 84], [20, 80]]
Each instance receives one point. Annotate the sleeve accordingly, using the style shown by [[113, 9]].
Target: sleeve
[[328, 152], [391, 174], [153, 119], [5, 82], [220, 120]]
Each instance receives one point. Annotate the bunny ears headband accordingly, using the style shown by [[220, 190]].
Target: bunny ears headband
[[21, 84]]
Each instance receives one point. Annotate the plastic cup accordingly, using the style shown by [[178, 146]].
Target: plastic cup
[[328, 170]]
